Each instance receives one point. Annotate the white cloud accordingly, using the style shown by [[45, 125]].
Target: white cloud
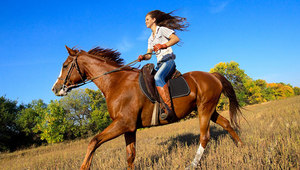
[[218, 6], [125, 45]]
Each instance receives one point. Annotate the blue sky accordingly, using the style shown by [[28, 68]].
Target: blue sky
[[263, 36]]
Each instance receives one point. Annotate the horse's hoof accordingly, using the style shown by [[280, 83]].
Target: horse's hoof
[[191, 167], [83, 167], [240, 144]]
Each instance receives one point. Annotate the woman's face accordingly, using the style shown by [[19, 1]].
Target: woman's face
[[149, 21]]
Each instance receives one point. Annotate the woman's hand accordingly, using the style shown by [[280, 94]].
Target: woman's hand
[[145, 56], [159, 46], [141, 57]]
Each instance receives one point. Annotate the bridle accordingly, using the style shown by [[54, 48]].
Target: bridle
[[74, 64]]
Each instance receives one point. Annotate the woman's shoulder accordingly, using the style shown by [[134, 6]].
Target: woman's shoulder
[[165, 30]]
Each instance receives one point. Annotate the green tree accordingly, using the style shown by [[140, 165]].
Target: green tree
[[100, 118], [28, 119], [296, 91], [281, 90], [254, 92], [8, 126], [237, 77], [288, 90], [77, 107], [29, 116], [52, 123], [267, 92]]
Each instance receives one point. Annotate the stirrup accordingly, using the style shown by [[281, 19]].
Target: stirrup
[[163, 116], [167, 112]]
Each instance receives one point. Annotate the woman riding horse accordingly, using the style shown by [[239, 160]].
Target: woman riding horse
[[162, 38], [130, 109]]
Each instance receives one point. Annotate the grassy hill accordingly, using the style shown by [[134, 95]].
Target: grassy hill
[[271, 137]]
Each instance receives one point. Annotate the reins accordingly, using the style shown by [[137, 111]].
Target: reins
[[96, 77], [74, 63]]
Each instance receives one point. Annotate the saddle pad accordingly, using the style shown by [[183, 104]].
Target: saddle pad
[[178, 88]]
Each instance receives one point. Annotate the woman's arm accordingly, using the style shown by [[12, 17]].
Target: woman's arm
[[173, 40]]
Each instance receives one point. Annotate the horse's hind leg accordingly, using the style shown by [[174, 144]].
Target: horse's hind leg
[[205, 111], [222, 121], [130, 138]]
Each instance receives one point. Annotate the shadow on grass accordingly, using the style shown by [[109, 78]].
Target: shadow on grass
[[187, 139]]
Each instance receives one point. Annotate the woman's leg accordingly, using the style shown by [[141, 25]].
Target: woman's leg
[[164, 70]]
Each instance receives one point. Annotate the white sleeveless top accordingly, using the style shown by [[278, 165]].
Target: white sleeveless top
[[161, 37]]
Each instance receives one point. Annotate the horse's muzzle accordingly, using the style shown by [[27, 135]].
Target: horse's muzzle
[[59, 91]]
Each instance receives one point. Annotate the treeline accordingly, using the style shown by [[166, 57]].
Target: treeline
[[84, 112], [79, 114], [251, 91]]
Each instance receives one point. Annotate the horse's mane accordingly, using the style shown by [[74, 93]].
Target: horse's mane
[[108, 54]]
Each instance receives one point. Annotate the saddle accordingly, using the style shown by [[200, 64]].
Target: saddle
[[178, 86]]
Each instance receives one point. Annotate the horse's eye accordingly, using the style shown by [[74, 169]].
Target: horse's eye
[[65, 66]]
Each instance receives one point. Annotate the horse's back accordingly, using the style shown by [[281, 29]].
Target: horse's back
[[206, 84]]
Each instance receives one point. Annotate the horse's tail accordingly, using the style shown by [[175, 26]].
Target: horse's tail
[[228, 91]]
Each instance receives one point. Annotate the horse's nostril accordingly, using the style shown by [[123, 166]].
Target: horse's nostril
[[54, 90]]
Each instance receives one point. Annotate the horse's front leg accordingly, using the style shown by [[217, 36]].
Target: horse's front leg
[[130, 138], [115, 129]]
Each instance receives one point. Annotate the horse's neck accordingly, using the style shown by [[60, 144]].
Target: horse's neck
[[105, 82]]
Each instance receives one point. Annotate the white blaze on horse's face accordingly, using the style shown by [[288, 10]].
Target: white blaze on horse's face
[[57, 79], [61, 92]]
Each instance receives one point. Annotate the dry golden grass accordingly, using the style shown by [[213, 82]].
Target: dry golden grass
[[272, 141]]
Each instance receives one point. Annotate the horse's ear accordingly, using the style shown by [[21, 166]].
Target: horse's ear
[[70, 51]]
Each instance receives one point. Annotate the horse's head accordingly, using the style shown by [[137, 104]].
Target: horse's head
[[70, 74]]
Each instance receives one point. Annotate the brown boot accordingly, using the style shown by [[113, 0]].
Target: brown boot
[[165, 95]]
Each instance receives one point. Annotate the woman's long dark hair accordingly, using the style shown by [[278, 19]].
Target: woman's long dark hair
[[168, 20]]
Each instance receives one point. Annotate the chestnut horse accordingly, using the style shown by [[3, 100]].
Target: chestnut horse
[[130, 109]]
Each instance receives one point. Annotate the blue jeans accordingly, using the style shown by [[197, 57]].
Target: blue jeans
[[164, 69]]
